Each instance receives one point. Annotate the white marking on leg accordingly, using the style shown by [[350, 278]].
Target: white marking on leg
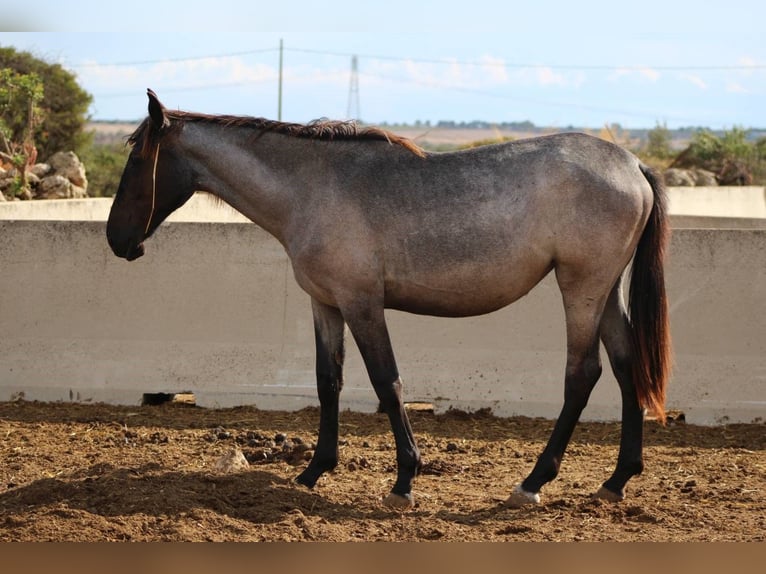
[[520, 497]]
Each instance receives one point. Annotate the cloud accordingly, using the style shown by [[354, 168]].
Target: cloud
[[747, 61], [486, 73], [547, 77], [641, 72], [695, 80], [494, 69], [107, 79], [736, 88]]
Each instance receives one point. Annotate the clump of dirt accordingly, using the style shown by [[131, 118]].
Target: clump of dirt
[[77, 472]]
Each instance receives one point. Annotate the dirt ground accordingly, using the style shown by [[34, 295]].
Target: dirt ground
[[76, 472]]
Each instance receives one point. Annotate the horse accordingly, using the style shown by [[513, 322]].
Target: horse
[[370, 222]]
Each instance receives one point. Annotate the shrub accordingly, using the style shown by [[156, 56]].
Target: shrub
[[732, 157], [64, 105], [104, 164]]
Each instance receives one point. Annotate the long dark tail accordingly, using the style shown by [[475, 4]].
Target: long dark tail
[[650, 326]]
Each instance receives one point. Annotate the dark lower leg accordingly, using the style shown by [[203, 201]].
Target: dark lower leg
[[407, 454], [328, 328], [615, 332], [630, 459], [549, 461], [578, 386], [326, 453], [371, 335]]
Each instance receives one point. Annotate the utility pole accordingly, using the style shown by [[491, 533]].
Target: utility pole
[[279, 106], [352, 112]]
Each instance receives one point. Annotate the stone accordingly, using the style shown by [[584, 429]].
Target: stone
[[67, 164], [232, 461], [54, 187], [33, 179], [78, 192], [704, 178], [41, 169], [675, 177]]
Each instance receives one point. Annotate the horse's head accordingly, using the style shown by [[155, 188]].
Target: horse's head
[[155, 182]]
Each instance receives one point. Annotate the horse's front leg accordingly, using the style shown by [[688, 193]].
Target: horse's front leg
[[368, 326], [328, 330]]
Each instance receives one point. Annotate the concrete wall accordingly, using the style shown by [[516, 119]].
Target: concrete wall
[[747, 202], [201, 207], [214, 309], [727, 203]]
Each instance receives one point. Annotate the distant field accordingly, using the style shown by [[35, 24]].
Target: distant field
[[117, 131], [111, 132], [430, 138]]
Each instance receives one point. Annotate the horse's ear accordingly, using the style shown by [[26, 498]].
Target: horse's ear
[[156, 110]]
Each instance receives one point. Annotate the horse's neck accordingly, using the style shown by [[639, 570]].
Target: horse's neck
[[257, 184]]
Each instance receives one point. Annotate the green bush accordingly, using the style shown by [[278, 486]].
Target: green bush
[[64, 106], [731, 156], [488, 141], [104, 164], [658, 142]]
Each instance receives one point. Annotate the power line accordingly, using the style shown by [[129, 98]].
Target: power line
[[439, 61], [354, 83], [498, 64]]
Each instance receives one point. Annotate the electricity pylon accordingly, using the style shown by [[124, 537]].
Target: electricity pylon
[[352, 112]]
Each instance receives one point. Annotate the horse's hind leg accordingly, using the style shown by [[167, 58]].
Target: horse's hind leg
[[583, 368], [615, 333], [328, 330]]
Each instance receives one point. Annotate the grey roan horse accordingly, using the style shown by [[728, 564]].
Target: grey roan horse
[[370, 221]]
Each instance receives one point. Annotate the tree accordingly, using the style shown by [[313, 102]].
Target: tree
[[20, 96], [63, 106], [658, 142]]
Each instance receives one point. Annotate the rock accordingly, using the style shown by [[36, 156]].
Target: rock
[[40, 169], [704, 178], [735, 172], [232, 461], [62, 178], [5, 183], [67, 164], [78, 192], [675, 177], [25, 194], [32, 179], [54, 187]]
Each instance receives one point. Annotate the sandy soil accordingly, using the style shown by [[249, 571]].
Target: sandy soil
[[74, 472]]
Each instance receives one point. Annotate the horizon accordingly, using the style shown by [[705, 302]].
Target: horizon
[[521, 125]]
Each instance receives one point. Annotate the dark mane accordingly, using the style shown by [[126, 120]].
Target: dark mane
[[327, 130]]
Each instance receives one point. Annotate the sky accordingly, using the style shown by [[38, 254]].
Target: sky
[[585, 64]]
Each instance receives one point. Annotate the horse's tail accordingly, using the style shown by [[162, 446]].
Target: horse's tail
[[650, 327]]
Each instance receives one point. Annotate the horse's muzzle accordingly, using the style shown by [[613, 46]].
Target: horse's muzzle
[[134, 252], [124, 245]]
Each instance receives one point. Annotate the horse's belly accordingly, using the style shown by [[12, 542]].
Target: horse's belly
[[465, 298], [443, 307]]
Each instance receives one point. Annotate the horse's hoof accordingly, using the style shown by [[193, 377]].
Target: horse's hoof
[[308, 482], [399, 501], [610, 496], [520, 497]]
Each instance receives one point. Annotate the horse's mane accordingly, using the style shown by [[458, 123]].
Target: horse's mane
[[324, 129]]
